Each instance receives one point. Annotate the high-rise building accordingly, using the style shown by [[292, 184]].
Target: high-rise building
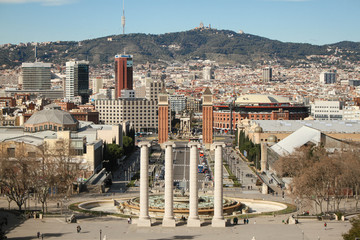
[[328, 77], [142, 113], [267, 74], [207, 73], [83, 80], [123, 73], [77, 80], [36, 76]]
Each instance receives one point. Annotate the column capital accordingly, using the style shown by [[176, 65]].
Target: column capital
[[190, 144], [168, 144], [144, 143], [218, 144]]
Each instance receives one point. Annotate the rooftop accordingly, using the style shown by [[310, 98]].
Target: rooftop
[[326, 126]]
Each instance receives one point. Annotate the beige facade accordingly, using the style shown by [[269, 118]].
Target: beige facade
[[141, 113]]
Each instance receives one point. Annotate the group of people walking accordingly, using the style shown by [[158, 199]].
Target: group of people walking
[[236, 220]]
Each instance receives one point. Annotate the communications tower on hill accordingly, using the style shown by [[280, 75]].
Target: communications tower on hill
[[123, 17]]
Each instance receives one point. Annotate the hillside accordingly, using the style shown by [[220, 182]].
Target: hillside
[[222, 46]]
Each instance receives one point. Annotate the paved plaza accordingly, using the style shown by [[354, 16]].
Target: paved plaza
[[262, 228], [106, 227]]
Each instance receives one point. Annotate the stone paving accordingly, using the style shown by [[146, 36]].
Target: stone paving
[[262, 228]]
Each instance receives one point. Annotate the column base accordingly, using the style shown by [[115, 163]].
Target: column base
[[144, 222], [218, 222], [195, 222], [169, 222]]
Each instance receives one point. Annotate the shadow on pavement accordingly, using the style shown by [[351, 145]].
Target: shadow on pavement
[[176, 237]]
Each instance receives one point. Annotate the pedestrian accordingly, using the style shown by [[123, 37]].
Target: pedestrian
[[78, 228], [244, 221], [38, 234], [235, 220], [247, 221], [325, 225], [129, 220], [255, 222]]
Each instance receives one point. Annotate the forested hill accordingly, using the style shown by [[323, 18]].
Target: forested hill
[[222, 46]]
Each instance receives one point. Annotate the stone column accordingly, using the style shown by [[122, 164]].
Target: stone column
[[263, 157], [193, 219], [169, 220], [144, 219], [264, 189], [218, 218]]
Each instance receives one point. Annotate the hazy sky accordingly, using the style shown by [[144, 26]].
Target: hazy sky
[[311, 21]]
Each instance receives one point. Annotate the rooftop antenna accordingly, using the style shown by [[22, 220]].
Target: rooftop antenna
[[123, 17]]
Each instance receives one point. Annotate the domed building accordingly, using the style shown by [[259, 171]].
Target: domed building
[[51, 118]]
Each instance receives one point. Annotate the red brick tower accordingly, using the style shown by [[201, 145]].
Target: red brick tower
[[208, 118], [123, 73], [163, 128]]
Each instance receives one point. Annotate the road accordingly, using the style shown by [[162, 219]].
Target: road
[[181, 166]]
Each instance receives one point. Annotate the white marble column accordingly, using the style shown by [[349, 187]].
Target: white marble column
[[168, 219], [218, 218], [193, 219], [144, 219]]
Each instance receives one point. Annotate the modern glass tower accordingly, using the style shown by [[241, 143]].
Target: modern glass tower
[[36, 76], [77, 80]]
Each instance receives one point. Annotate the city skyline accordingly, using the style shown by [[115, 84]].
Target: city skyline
[[310, 21]]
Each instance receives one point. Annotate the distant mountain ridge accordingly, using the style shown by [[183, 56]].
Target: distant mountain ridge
[[223, 46]]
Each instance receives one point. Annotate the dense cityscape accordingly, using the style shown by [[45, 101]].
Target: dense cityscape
[[200, 145]]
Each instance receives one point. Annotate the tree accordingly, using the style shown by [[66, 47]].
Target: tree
[[318, 175], [128, 144], [112, 152], [354, 231], [17, 174]]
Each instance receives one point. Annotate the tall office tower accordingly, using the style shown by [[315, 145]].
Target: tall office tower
[[328, 77], [123, 73], [97, 85], [83, 81], [267, 74], [36, 76], [163, 128], [77, 80], [207, 74], [208, 118]]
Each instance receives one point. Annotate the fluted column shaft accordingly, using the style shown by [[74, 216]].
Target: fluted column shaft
[[144, 219], [193, 220], [169, 220], [218, 218]]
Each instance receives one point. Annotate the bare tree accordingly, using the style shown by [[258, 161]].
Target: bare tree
[[17, 174]]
